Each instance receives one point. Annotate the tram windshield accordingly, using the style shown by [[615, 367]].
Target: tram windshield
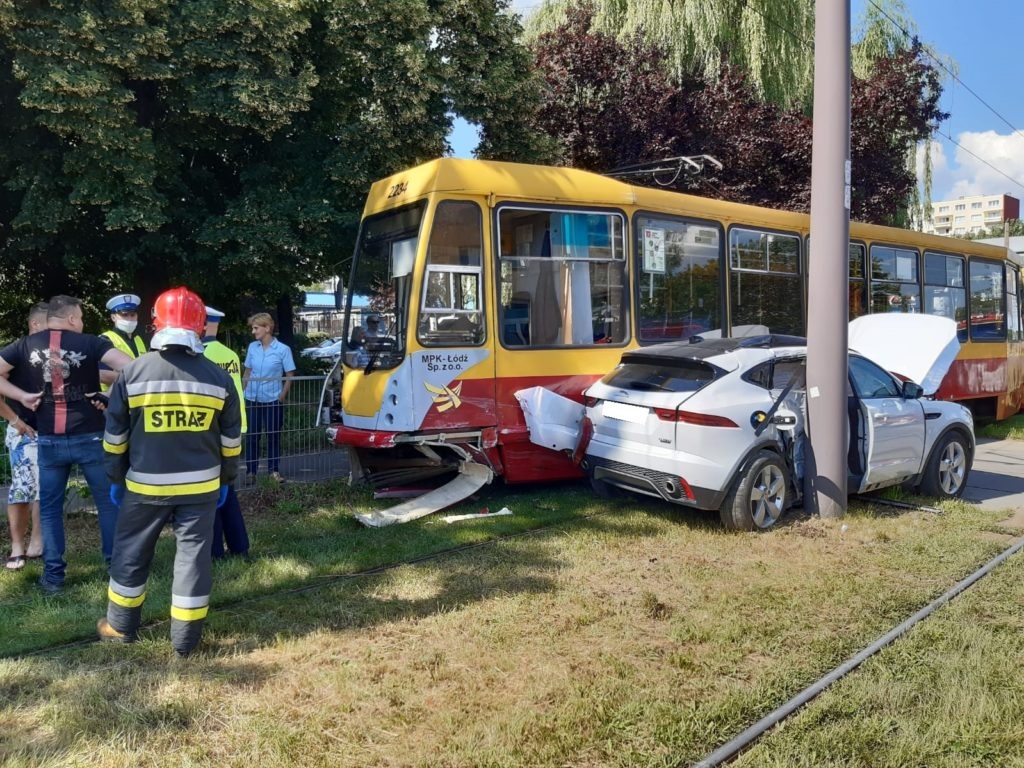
[[380, 285]]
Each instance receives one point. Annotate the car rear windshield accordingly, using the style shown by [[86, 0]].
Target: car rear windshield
[[677, 376]]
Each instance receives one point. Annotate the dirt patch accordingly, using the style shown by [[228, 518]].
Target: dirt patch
[[1016, 520]]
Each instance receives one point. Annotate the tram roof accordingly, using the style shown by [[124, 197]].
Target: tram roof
[[551, 184]]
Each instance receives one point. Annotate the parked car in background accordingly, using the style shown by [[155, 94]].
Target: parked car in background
[[328, 349], [719, 423]]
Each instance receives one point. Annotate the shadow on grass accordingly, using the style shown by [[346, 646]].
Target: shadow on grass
[[96, 685], [302, 534]]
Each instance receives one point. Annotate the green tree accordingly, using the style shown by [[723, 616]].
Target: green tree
[[230, 144], [770, 40], [611, 102], [1014, 228], [766, 47]]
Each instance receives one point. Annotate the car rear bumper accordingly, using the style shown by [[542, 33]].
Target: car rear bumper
[[651, 482]]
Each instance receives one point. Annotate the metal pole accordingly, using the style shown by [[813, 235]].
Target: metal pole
[[828, 265]]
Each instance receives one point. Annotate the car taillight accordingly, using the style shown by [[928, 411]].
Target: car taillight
[[689, 417], [586, 433], [590, 402]]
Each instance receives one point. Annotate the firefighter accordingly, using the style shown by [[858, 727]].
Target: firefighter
[[172, 441], [124, 314], [229, 524]]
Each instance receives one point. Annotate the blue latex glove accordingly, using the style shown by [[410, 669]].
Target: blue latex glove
[[116, 495], [222, 497]]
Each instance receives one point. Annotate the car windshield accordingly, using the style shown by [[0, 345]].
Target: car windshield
[[677, 376]]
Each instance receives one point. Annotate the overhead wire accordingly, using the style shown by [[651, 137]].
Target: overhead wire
[[948, 71], [914, 38], [942, 65]]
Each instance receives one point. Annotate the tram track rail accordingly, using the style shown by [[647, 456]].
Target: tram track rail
[[747, 738]]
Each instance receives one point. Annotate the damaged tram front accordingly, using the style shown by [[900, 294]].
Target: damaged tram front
[[487, 279]]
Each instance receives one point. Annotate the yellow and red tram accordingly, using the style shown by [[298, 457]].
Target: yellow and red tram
[[493, 277]]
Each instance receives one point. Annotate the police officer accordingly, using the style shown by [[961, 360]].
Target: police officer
[[173, 437], [124, 314], [228, 523]]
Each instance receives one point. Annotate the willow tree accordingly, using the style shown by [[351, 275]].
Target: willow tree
[[770, 40], [609, 102]]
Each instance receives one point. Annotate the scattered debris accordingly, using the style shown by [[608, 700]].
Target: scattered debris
[[476, 515]]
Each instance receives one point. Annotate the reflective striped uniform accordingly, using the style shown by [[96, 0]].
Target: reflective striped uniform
[[173, 437]]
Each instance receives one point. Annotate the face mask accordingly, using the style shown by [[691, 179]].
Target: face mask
[[126, 326]]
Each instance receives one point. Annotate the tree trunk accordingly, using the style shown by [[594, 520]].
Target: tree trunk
[[284, 320]]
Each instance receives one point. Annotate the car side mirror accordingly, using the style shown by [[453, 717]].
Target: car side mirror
[[912, 390]]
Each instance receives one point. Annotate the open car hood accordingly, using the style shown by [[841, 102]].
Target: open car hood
[[917, 347]]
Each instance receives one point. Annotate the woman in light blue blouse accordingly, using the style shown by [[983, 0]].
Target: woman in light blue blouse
[[269, 368]]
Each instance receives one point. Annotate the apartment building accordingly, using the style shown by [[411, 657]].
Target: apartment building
[[965, 215]]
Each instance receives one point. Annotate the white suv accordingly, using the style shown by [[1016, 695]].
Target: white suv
[[719, 423]]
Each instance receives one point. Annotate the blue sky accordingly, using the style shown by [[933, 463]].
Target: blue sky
[[985, 42]]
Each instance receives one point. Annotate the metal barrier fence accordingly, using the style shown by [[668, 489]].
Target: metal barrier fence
[[306, 456]]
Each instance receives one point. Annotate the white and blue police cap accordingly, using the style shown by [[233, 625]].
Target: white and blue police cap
[[214, 315], [124, 302]]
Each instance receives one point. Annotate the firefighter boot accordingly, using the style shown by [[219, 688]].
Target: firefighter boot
[[108, 634]]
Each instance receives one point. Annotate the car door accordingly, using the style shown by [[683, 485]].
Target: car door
[[894, 425]]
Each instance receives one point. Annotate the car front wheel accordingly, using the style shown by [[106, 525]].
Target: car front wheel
[[759, 494], [946, 473]]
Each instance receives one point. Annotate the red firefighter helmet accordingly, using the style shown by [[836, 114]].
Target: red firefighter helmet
[[179, 318]]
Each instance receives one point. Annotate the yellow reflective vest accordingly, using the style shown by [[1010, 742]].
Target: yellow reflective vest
[[122, 345], [223, 356]]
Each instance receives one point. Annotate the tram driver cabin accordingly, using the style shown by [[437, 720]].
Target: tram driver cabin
[[495, 277]]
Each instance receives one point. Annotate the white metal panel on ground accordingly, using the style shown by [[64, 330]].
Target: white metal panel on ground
[[471, 478]]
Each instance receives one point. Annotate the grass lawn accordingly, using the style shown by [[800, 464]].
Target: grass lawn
[[1007, 429], [643, 637]]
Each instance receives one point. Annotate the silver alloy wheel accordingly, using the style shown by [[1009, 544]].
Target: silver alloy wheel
[[952, 467], [768, 496]]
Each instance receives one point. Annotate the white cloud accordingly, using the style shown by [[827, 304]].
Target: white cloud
[[972, 172]]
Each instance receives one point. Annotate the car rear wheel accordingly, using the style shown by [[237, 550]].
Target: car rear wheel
[[759, 495], [946, 473]]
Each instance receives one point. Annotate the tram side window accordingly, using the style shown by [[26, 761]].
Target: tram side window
[[450, 309], [765, 289], [894, 280], [988, 319], [562, 278], [678, 278], [1013, 319], [944, 291]]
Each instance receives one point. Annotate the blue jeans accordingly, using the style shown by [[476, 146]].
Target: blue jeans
[[57, 454], [269, 418]]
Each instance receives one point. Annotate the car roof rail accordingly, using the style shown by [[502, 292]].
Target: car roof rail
[[768, 341]]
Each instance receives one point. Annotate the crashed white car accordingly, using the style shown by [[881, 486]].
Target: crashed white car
[[719, 423]]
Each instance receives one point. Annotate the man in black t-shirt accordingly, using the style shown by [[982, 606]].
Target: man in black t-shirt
[[61, 367]]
